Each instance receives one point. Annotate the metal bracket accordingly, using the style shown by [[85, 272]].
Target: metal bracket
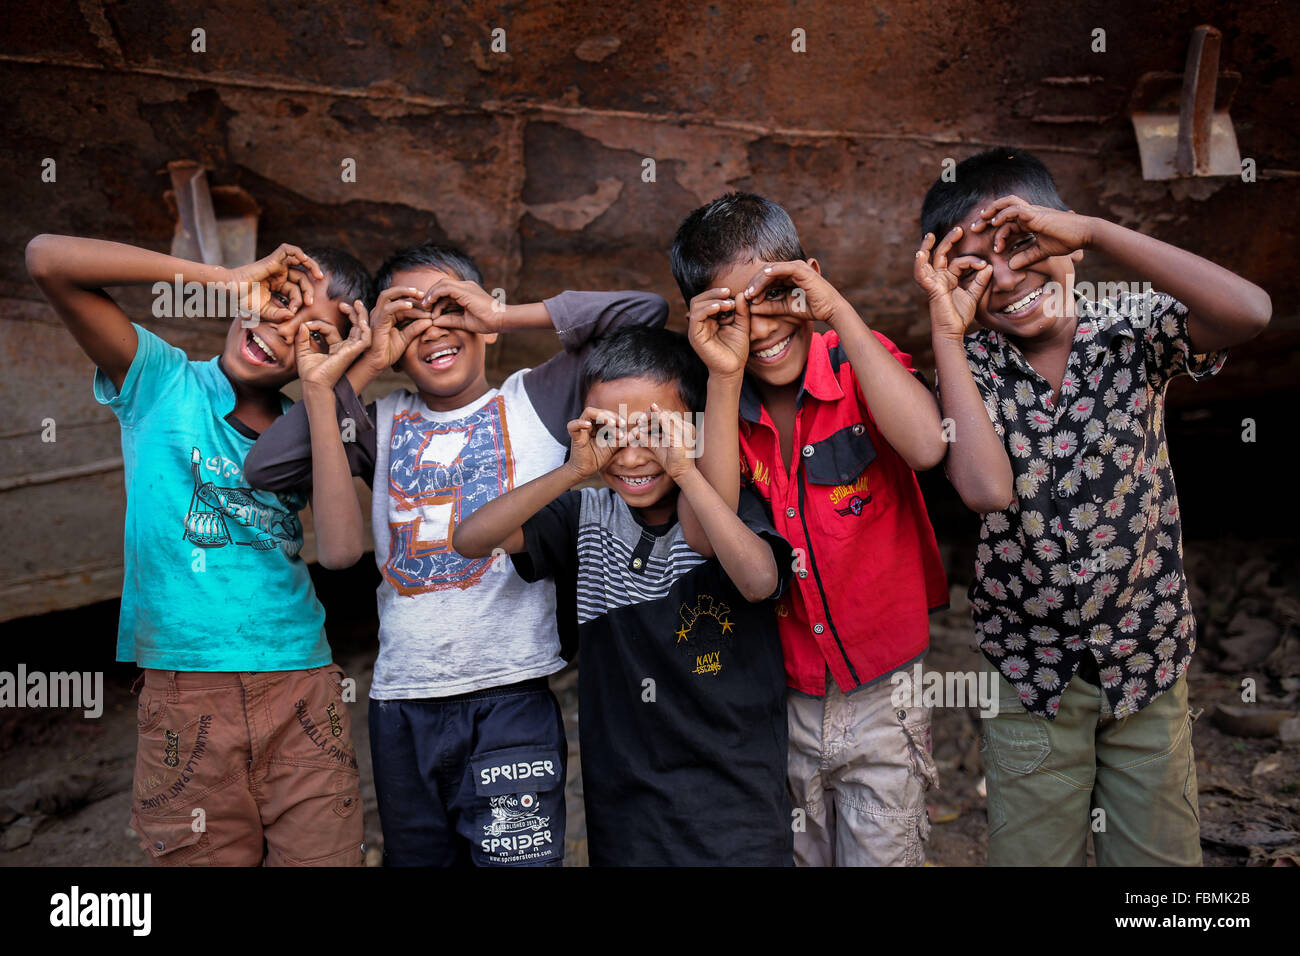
[[215, 226], [1182, 123]]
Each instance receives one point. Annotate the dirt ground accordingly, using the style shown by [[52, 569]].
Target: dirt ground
[[65, 781]]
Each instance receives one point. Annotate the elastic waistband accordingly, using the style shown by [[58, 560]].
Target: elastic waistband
[[212, 680], [531, 685]]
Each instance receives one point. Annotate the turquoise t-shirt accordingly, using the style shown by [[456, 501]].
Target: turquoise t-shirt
[[213, 579]]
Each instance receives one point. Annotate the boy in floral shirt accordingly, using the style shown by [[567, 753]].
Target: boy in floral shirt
[[1079, 597]]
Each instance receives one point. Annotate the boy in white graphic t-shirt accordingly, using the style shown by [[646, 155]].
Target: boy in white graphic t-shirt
[[459, 702]]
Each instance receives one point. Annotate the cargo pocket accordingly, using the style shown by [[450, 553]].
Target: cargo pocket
[[520, 806], [1014, 742], [920, 746], [173, 841]]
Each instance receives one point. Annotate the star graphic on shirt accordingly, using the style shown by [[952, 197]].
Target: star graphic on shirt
[[681, 635], [726, 626]]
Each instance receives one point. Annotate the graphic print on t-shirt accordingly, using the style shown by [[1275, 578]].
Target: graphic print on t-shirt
[[211, 504], [438, 473], [705, 632]]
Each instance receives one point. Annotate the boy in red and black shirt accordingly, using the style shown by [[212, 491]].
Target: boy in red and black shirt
[[829, 429]]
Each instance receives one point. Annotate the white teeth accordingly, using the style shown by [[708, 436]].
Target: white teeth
[[637, 481], [1017, 306], [775, 349], [437, 355], [262, 345]]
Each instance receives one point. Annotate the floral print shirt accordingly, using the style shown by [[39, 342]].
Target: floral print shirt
[[1089, 556]]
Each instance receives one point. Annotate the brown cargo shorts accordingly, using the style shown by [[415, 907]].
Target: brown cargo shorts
[[245, 769]]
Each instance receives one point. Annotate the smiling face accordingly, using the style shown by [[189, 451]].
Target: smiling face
[[634, 472], [264, 357], [448, 366], [1017, 303], [778, 336]]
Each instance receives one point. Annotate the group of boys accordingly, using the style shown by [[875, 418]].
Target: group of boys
[[727, 524]]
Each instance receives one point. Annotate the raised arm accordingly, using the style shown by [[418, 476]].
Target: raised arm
[[903, 408], [1223, 308], [977, 463], [500, 522], [746, 558], [340, 532], [72, 273]]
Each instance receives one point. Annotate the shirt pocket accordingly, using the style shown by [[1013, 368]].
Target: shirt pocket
[[839, 496]]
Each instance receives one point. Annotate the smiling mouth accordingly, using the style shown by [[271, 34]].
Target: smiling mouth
[[774, 352], [1022, 305], [257, 351], [442, 358], [638, 482]]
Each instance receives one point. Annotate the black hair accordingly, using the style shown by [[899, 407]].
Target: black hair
[[349, 279], [988, 175], [644, 352], [444, 258], [731, 229]]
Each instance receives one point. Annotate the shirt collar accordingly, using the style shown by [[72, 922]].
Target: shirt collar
[[818, 380]]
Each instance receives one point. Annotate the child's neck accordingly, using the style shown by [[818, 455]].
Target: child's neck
[[256, 408], [780, 402], [1049, 356], [450, 403], [661, 512]]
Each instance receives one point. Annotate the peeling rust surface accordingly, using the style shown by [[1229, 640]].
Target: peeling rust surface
[[533, 159]]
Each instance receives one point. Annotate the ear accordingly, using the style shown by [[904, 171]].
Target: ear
[[1076, 255], [489, 338], [815, 265]]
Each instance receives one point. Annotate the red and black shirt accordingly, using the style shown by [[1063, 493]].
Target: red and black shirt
[[867, 566]]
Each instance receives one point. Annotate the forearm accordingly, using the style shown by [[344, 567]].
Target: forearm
[[1225, 308], [719, 437], [745, 556], [499, 523], [904, 410], [340, 531], [95, 263], [977, 465], [531, 315]]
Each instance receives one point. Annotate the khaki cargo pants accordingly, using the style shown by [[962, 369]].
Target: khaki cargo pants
[[241, 769], [1132, 782], [858, 773]]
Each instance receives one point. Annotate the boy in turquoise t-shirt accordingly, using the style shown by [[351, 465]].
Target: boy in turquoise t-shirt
[[241, 713]]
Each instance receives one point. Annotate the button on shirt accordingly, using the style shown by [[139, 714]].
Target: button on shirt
[[1089, 557], [867, 568]]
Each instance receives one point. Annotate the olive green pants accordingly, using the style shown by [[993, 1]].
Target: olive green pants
[[1131, 782]]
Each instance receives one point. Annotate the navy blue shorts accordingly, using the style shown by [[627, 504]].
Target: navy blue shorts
[[477, 778]]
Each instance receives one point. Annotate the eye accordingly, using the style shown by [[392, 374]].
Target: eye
[[282, 298], [317, 337], [776, 292], [1024, 242]]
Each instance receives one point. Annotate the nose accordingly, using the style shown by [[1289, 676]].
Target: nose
[[631, 456], [1005, 278], [762, 327]]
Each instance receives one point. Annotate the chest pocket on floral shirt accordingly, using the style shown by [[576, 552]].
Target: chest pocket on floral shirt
[[839, 493]]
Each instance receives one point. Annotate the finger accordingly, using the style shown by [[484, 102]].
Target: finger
[[796, 271], [1017, 210], [986, 213], [1027, 257], [324, 329], [964, 264], [940, 258], [289, 254], [409, 333], [979, 285], [300, 281]]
